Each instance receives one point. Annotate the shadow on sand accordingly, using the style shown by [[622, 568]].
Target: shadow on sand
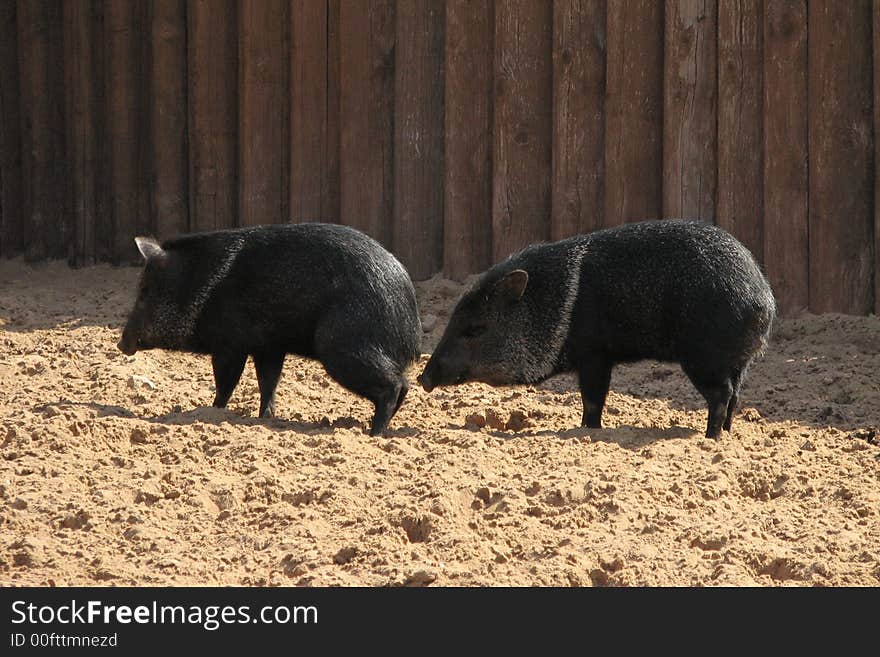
[[218, 416], [626, 436]]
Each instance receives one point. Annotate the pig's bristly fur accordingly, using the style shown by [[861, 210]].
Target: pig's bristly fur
[[680, 291], [321, 291]]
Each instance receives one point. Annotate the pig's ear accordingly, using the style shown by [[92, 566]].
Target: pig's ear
[[513, 284], [149, 248]]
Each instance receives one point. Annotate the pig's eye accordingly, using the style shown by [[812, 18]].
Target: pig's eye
[[473, 331]]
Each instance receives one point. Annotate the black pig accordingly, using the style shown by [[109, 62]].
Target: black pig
[[678, 291], [317, 290]]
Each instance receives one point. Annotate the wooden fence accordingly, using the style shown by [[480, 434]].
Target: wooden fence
[[455, 132]]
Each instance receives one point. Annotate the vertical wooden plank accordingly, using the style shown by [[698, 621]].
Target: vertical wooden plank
[[308, 110], [42, 134], [212, 80], [841, 149], [332, 195], [366, 63], [104, 232], [740, 125], [578, 117], [786, 180], [146, 165], [81, 127], [313, 127], [876, 44], [418, 137], [467, 205], [61, 231], [523, 125], [264, 112], [103, 219], [123, 97], [634, 112], [689, 139], [168, 117], [11, 221]]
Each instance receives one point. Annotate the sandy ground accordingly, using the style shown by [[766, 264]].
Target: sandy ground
[[113, 471]]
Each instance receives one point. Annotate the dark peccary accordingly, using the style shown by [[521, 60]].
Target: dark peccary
[[678, 291], [317, 290]]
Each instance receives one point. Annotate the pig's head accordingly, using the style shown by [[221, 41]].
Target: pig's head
[[490, 336], [155, 319]]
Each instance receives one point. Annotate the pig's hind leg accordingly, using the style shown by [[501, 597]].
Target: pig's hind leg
[[595, 378], [736, 380], [718, 391], [404, 388], [387, 403], [228, 367], [375, 381], [268, 366], [355, 359]]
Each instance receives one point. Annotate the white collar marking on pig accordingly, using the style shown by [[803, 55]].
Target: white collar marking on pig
[[201, 296], [544, 364]]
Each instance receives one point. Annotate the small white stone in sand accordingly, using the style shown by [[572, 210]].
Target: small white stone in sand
[[138, 381]]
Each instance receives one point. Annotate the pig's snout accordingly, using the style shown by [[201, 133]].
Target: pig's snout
[[425, 381], [426, 378], [442, 371]]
